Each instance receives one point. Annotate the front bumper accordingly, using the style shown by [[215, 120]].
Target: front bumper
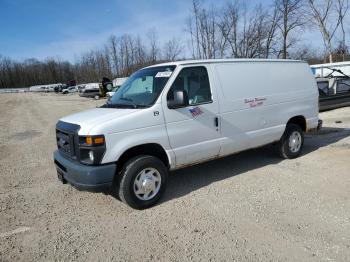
[[83, 177]]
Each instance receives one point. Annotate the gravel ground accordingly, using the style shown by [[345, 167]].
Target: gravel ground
[[251, 206]]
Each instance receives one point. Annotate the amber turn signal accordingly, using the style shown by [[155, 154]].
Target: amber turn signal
[[91, 140], [99, 140]]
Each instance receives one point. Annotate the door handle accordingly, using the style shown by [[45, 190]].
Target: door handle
[[216, 121]]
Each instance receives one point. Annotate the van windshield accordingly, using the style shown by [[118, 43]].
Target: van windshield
[[142, 88]]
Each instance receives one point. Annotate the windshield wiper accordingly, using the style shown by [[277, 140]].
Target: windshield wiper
[[119, 106], [133, 106], [141, 106], [126, 99]]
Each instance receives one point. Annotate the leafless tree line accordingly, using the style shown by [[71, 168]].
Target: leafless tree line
[[233, 30], [120, 56], [33, 72], [242, 31]]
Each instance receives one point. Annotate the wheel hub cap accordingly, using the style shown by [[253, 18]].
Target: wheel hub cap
[[147, 184], [295, 142]]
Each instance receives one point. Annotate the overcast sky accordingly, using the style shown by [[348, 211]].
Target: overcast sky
[[66, 28]]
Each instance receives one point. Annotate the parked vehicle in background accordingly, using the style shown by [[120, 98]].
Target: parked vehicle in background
[[72, 89], [91, 86], [81, 87], [323, 70], [334, 91], [49, 89], [58, 89], [173, 115], [116, 84], [105, 86], [91, 93], [111, 93]]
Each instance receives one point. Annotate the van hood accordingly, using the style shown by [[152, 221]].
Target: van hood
[[89, 118]]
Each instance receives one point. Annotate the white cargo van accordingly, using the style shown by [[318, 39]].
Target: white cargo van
[[173, 115]]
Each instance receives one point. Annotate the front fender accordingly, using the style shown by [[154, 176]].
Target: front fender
[[118, 143]]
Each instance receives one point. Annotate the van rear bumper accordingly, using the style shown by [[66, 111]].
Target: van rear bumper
[[83, 177]]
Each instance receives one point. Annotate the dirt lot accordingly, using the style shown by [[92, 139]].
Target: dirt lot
[[247, 207]]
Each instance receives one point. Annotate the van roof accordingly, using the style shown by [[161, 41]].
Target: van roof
[[213, 61]]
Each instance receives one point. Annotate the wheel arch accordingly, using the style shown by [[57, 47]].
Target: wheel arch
[[152, 149], [299, 120]]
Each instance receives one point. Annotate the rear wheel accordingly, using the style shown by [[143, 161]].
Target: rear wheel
[[292, 142], [142, 181]]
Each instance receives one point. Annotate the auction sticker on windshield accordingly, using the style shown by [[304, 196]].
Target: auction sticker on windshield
[[164, 74]]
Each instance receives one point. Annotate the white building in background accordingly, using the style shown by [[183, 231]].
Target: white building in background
[[322, 70]]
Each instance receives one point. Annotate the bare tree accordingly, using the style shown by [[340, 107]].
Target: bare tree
[[250, 33], [291, 19], [141, 56], [228, 26], [342, 9], [274, 18], [172, 49], [153, 45], [202, 26], [327, 20], [113, 45]]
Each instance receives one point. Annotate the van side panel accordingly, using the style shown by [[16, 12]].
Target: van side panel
[[258, 98]]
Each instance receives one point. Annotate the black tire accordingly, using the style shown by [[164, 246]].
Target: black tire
[[130, 171], [284, 149]]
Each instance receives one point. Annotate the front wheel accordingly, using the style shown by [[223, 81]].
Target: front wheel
[[142, 182], [292, 142]]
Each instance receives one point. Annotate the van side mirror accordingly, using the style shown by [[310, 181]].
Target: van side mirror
[[180, 99]]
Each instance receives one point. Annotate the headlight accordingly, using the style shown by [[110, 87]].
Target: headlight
[[91, 149]]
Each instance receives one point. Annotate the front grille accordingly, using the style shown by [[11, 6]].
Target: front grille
[[64, 142], [67, 139]]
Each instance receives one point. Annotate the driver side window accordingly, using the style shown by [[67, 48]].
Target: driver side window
[[195, 82]]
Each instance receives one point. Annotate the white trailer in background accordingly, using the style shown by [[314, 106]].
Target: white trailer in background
[[323, 70], [119, 81], [91, 86], [37, 88], [87, 86], [44, 88]]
